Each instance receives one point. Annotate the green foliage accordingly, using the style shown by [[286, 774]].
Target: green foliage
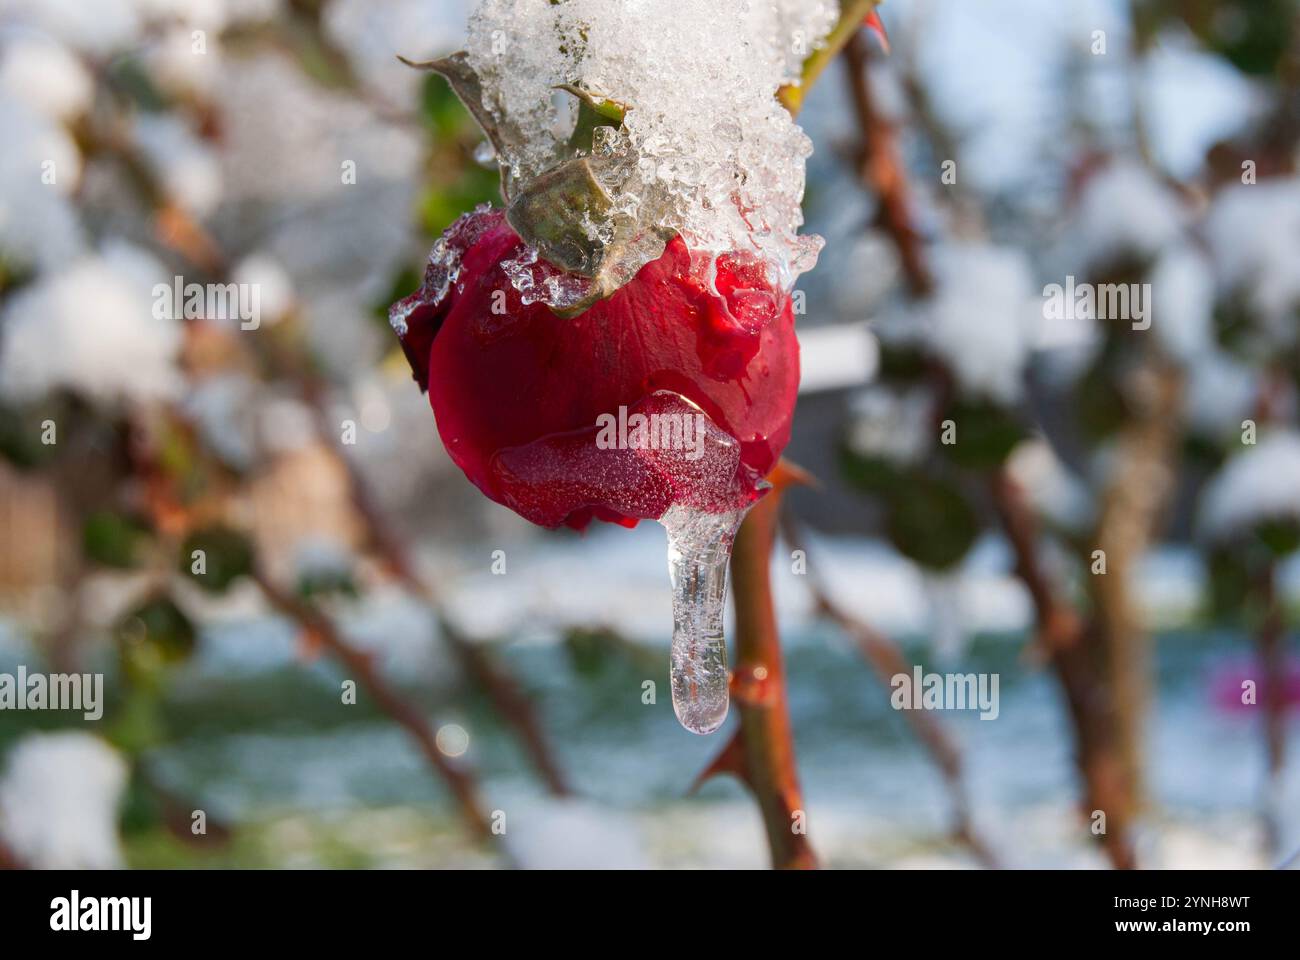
[[442, 110], [1253, 35], [141, 809], [441, 205], [986, 434], [114, 539], [931, 522], [873, 475], [1230, 583], [156, 633], [138, 723], [131, 79], [225, 555], [590, 649], [328, 583], [902, 363], [20, 437], [1100, 404], [1280, 536]]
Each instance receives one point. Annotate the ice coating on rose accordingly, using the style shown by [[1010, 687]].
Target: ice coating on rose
[[520, 395], [705, 149]]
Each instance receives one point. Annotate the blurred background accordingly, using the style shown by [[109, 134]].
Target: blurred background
[[1113, 533]]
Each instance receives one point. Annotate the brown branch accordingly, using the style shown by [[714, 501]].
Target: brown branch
[[8, 859], [762, 752], [1059, 625], [1132, 505], [361, 665], [881, 169], [1074, 656], [886, 661], [184, 235], [1102, 696], [1269, 641], [502, 691]]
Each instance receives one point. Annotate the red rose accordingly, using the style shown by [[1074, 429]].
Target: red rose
[[527, 403]]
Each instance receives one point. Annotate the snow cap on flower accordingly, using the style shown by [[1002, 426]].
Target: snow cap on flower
[[670, 125], [59, 798]]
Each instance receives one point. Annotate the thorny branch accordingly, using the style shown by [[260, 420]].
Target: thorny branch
[[322, 630], [881, 167], [887, 661], [362, 666], [500, 688], [761, 753], [1103, 687]]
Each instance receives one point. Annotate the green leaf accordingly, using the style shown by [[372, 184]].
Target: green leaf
[[20, 436], [932, 523], [216, 557], [551, 212], [154, 636], [1281, 536], [986, 434], [467, 86], [114, 539], [337, 583], [873, 475], [590, 649], [1229, 583]]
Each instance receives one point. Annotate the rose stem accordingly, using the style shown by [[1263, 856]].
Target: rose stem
[[761, 753]]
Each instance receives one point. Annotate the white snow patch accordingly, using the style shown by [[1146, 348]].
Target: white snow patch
[[41, 73], [576, 835], [272, 281], [91, 329], [1182, 303], [59, 799], [978, 321], [1261, 483], [890, 424], [1124, 212], [187, 169], [1051, 489], [1254, 233]]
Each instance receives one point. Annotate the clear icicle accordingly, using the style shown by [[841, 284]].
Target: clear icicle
[[699, 547]]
